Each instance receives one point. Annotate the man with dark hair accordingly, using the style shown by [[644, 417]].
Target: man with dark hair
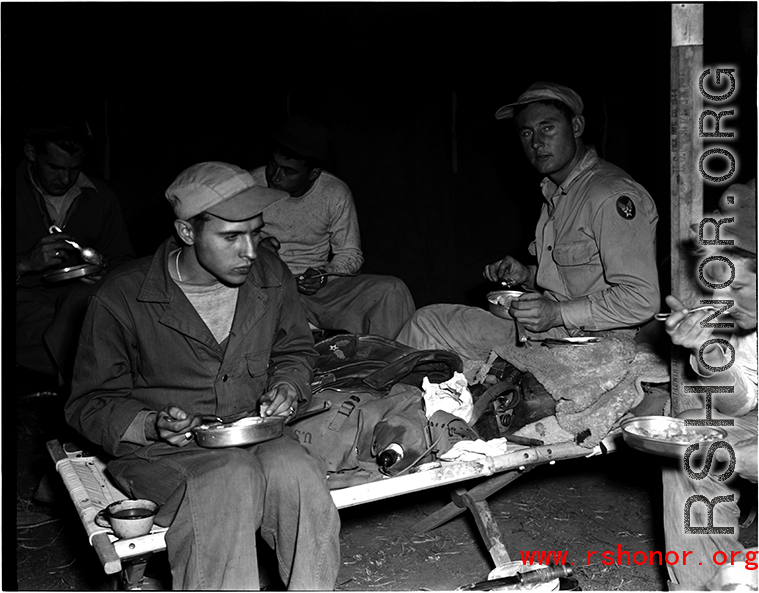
[[211, 325], [595, 245], [317, 235], [53, 192]]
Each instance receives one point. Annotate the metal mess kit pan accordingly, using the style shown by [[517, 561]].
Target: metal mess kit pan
[[72, 272], [245, 431]]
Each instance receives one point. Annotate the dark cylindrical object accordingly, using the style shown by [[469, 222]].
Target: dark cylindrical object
[[389, 456]]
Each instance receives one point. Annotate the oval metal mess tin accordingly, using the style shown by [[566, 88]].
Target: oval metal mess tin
[[499, 302], [246, 431], [72, 272], [665, 436]]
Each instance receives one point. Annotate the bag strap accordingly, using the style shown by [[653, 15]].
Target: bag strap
[[343, 413]]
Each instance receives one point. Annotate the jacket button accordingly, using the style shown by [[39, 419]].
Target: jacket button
[[550, 248], [224, 378]]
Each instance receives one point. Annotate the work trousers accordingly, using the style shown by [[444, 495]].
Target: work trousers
[[215, 500], [470, 332], [363, 304], [678, 487]]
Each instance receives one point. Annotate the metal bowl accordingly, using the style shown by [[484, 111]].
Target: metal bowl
[[499, 302], [246, 431], [71, 272], [665, 436]]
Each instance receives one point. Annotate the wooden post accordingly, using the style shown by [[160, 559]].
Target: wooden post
[[686, 65]]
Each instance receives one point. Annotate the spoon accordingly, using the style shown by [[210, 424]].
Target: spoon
[[665, 316], [89, 255]]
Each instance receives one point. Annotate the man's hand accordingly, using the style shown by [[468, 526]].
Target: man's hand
[[173, 425], [280, 400], [310, 281], [509, 270], [49, 251], [685, 328], [535, 312]]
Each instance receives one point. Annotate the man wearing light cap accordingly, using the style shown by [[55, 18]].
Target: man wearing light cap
[[317, 234], [595, 245], [718, 362], [209, 326]]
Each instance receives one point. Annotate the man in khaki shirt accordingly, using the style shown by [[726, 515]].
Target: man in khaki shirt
[[595, 244]]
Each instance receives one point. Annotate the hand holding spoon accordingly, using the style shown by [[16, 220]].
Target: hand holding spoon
[[89, 255]]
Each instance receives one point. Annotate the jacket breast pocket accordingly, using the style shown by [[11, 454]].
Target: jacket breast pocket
[[257, 363], [574, 254], [579, 265]]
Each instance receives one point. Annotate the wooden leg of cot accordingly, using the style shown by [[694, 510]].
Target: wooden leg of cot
[[480, 492], [486, 524]]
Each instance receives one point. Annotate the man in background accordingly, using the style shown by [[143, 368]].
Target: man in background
[[316, 232], [595, 245], [52, 191]]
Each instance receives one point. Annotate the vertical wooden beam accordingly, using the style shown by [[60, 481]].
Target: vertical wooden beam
[[686, 65]]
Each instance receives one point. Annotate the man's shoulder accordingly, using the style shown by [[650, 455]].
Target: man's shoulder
[[606, 180], [271, 267], [332, 186], [127, 278], [102, 189]]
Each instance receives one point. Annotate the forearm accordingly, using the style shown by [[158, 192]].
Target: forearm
[[293, 354], [612, 308], [345, 239], [347, 261], [100, 406]]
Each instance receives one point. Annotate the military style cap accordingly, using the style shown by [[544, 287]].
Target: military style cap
[[543, 91], [221, 189]]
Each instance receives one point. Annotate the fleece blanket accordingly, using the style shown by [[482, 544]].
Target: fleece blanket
[[594, 385]]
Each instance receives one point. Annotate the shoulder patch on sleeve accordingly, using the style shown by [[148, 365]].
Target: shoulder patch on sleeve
[[625, 208]]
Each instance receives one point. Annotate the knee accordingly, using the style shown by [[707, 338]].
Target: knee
[[230, 470], [299, 471], [393, 287]]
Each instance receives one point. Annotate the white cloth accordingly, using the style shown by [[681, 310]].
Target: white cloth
[[452, 396], [475, 450]]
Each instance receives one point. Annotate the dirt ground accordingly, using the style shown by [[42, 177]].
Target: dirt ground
[[577, 505]]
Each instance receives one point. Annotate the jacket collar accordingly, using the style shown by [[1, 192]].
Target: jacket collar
[[158, 285], [588, 160], [82, 182]]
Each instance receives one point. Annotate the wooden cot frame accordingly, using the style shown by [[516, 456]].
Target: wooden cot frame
[[91, 490]]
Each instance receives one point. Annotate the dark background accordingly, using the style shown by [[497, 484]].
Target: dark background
[[408, 90]]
